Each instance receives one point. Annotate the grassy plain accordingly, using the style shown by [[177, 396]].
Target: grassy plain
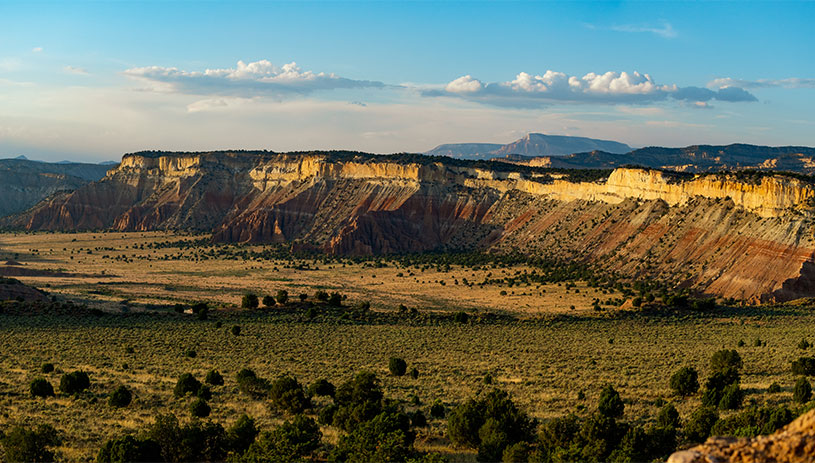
[[544, 359], [110, 268]]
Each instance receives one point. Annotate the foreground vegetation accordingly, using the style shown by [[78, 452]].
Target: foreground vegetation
[[157, 346], [552, 368]]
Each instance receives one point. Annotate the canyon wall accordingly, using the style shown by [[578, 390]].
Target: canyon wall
[[746, 238]]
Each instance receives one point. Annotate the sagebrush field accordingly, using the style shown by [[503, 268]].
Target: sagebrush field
[[551, 358]]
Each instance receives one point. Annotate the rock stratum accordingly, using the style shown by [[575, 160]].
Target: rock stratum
[[747, 236], [794, 443], [24, 183]]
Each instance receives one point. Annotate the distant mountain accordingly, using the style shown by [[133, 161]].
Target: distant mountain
[[466, 150], [538, 144], [533, 144], [24, 183], [697, 158]]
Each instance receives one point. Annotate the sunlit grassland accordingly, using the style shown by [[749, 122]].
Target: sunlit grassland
[[543, 363]]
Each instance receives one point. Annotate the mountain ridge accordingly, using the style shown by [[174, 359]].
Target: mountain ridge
[[738, 235], [532, 144], [24, 183]]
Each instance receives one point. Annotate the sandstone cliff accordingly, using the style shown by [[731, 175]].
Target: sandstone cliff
[[24, 183], [725, 234]]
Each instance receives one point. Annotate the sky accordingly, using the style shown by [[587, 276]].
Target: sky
[[90, 81]]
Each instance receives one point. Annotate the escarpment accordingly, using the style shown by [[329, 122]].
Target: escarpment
[[734, 235]]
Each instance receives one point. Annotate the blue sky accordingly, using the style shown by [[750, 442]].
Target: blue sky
[[92, 80]]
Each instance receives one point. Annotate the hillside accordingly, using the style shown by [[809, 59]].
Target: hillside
[[531, 145], [24, 183], [749, 237], [699, 158]]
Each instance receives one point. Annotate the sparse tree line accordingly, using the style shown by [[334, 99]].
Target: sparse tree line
[[373, 427]]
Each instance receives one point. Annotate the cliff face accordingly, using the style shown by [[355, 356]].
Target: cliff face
[[749, 239], [24, 183]]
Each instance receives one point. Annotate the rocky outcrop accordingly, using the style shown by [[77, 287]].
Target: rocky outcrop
[[13, 290], [725, 234], [795, 443], [24, 183]]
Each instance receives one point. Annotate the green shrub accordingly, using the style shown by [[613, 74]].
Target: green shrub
[[268, 301], [195, 441], [236, 330], [47, 368], [774, 388], [724, 360], [461, 317], [249, 301], [358, 399], [700, 423], [242, 434], [292, 441], [418, 420], [214, 378], [385, 437], [685, 381], [199, 408], [397, 366], [668, 417], [335, 299], [322, 387], [22, 444], [490, 424], [74, 383], [753, 422], [610, 404], [120, 397], [732, 397], [518, 451], [802, 392], [287, 395], [804, 344], [204, 392], [127, 449], [40, 387], [186, 384], [437, 409], [326, 415], [282, 296], [804, 366], [251, 385]]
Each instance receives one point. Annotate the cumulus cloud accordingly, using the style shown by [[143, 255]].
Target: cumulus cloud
[[792, 82], [259, 78], [36, 49], [528, 90]]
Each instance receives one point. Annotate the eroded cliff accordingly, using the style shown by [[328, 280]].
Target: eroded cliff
[[725, 234]]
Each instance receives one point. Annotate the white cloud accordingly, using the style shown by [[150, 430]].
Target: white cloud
[[529, 91], [76, 70], [792, 82], [665, 31], [36, 50], [258, 78], [216, 104]]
